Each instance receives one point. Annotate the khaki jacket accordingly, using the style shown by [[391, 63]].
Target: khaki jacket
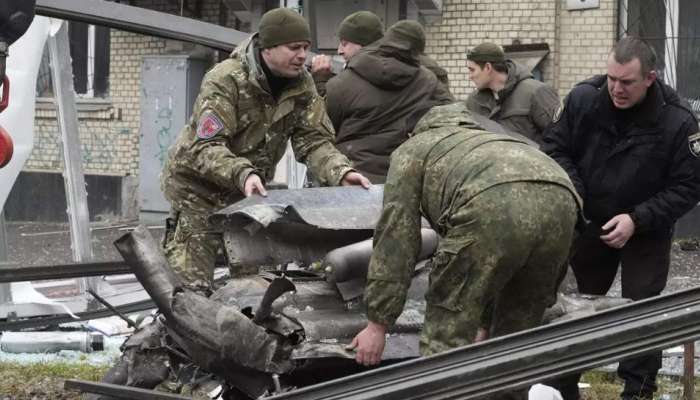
[[525, 105]]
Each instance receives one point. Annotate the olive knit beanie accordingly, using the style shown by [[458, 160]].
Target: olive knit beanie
[[282, 25], [362, 27]]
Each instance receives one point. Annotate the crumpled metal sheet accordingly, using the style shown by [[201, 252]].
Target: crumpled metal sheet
[[571, 306], [298, 225], [224, 335], [338, 207], [328, 322], [215, 335]]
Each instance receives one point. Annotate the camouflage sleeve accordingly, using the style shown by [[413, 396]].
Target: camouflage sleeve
[[313, 141], [216, 121], [544, 104], [397, 239]]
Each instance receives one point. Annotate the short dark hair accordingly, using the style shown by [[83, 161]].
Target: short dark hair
[[631, 47], [499, 66]]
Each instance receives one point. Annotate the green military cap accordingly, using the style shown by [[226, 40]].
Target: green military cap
[[362, 27], [486, 52], [409, 31], [282, 25]]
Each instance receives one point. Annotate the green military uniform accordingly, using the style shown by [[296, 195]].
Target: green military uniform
[[505, 213], [238, 128], [525, 105]]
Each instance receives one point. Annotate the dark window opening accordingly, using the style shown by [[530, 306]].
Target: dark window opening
[[676, 40], [89, 49]]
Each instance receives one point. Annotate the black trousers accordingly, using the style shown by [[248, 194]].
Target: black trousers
[[645, 261]]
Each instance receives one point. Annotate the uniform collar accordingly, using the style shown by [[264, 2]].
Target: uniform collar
[[643, 115], [249, 54]]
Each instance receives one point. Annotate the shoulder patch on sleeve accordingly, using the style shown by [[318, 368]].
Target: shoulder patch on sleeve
[[209, 125], [694, 144]]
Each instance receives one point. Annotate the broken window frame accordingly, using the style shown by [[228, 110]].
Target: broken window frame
[[90, 52]]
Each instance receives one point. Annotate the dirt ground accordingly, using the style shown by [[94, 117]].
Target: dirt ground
[[50, 243]]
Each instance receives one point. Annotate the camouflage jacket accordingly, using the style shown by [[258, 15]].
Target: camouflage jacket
[[433, 174], [525, 105], [238, 128]]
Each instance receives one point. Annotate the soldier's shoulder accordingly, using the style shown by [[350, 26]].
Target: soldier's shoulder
[[342, 85], [590, 86], [307, 80], [546, 94], [586, 93], [226, 77], [679, 106], [343, 76], [227, 70]]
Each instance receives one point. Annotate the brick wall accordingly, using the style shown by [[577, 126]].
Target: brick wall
[[585, 39], [579, 43], [578, 40], [109, 128]]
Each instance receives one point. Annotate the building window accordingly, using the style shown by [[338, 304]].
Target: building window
[[672, 28], [89, 49]]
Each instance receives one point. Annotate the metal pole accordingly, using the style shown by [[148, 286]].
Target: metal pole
[[521, 359], [74, 179], [689, 371], [671, 45], [3, 238], [5, 293], [143, 21]]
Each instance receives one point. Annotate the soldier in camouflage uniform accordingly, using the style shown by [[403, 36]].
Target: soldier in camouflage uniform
[[505, 213], [248, 107]]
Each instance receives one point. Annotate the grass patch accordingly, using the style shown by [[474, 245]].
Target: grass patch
[[44, 380], [607, 386], [604, 386]]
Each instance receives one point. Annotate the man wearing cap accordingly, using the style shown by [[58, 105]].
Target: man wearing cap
[[507, 93], [376, 101], [505, 213], [357, 30], [249, 105]]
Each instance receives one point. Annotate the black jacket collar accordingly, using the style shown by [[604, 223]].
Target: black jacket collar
[[644, 115]]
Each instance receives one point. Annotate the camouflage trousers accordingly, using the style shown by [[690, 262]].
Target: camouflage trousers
[[504, 252], [192, 251]]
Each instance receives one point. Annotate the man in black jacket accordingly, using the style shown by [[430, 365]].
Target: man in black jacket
[[631, 149]]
